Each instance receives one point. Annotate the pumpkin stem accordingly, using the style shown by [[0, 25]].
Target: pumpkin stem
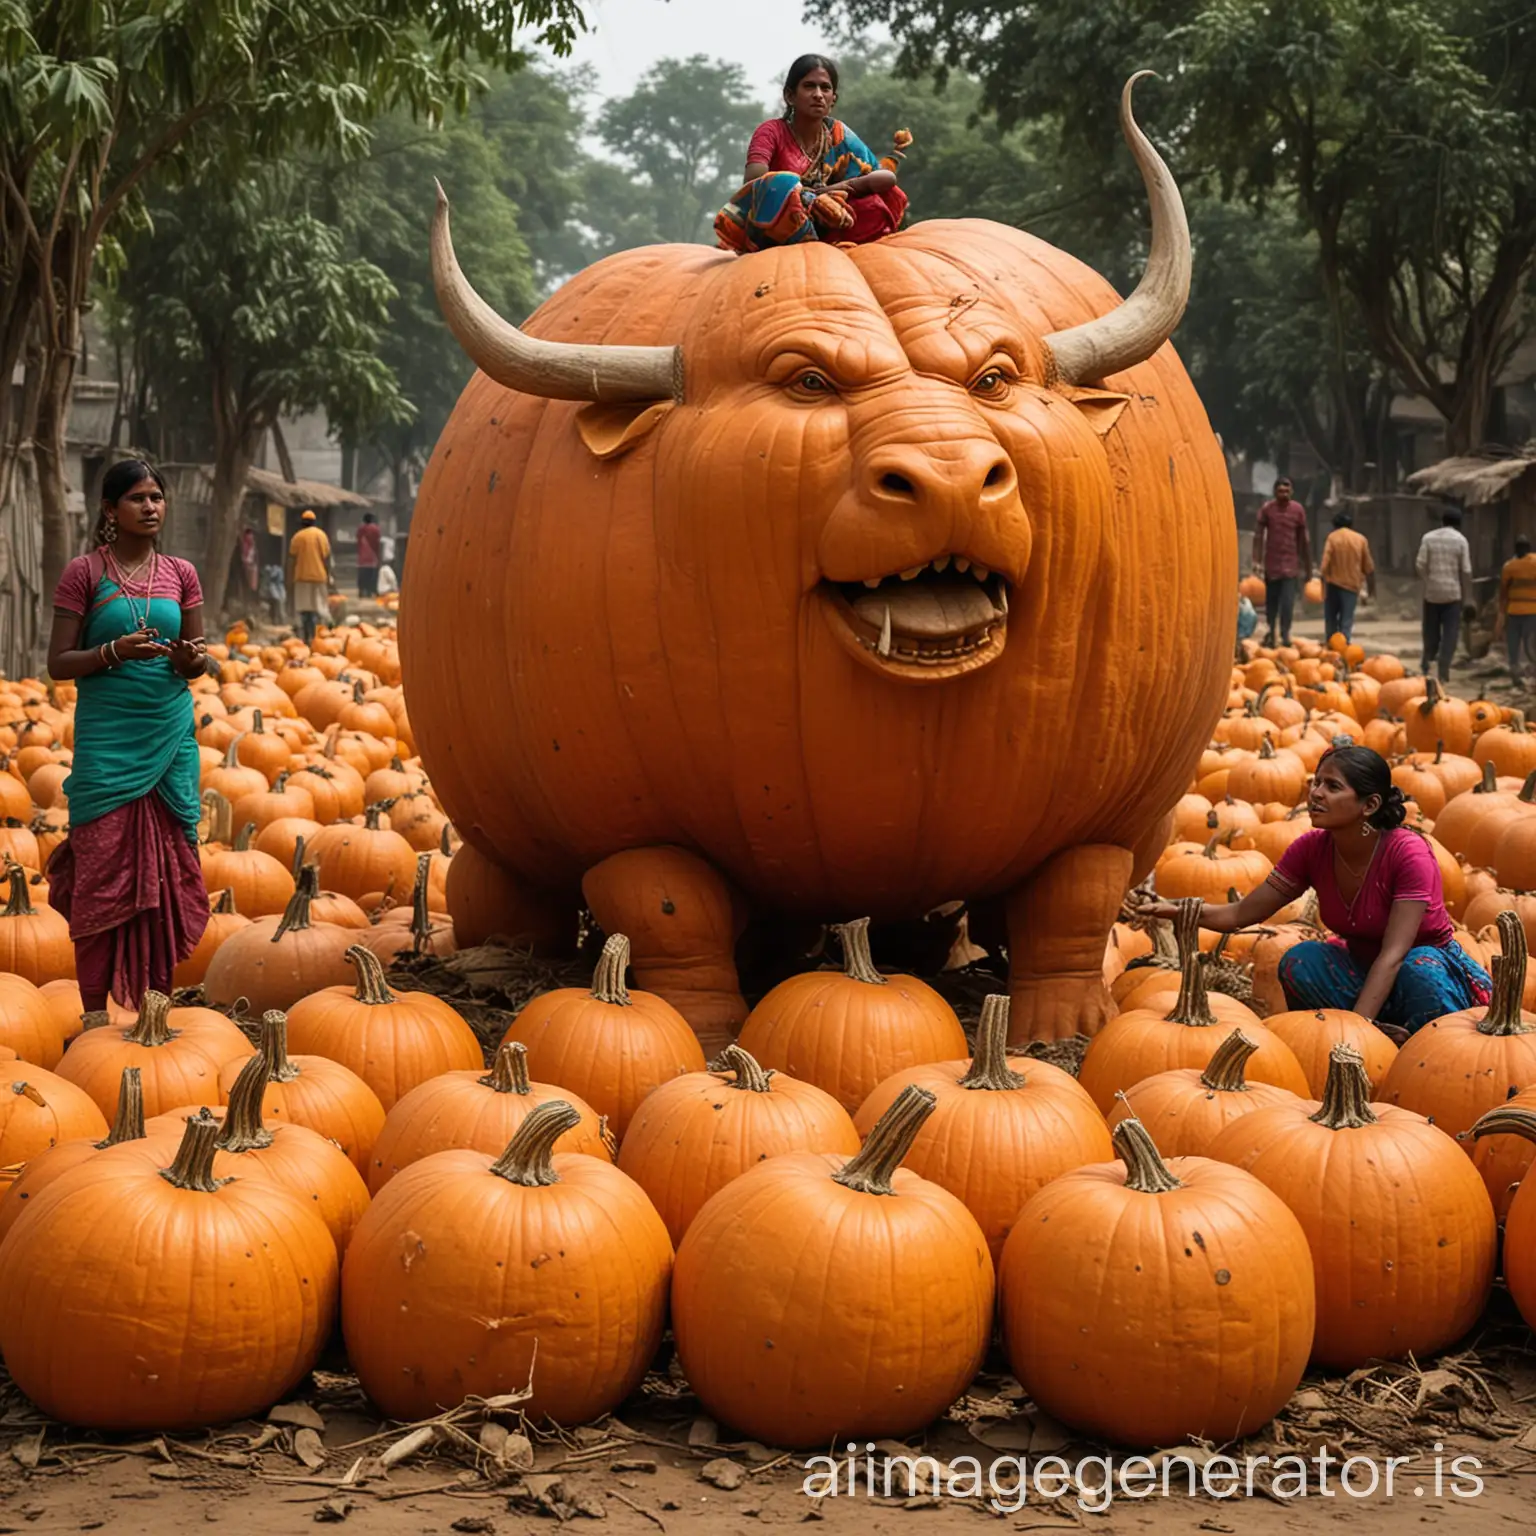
[[1224, 1071], [509, 1069], [1489, 781], [371, 986], [193, 1167], [153, 1025], [295, 916], [1504, 1016], [529, 1158], [274, 1046], [1266, 749], [232, 751], [442, 843], [256, 726], [989, 1067], [19, 903], [372, 813], [751, 1077], [224, 902], [1505, 1120], [421, 919], [1191, 1006], [857, 960], [608, 978], [128, 1122], [280, 783], [1165, 948], [1145, 1170], [242, 843], [871, 1169], [395, 765], [296, 868], [23, 1089], [219, 813], [1432, 693], [1528, 789], [1347, 1093], [243, 1128]]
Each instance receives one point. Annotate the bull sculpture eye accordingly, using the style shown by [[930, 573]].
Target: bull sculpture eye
[[812, 382], [993, 384]]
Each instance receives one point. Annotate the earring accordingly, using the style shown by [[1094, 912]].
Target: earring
[[1366, 829], [110, 531]]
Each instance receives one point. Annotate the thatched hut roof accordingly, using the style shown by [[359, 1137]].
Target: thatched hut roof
[[1476, 479], [269, 486]]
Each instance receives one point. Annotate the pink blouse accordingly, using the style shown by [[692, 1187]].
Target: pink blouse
[[1402, 868], [78, 589]]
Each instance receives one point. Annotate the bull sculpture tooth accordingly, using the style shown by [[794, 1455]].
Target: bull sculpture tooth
[[961, 563], [942, 563], [980, 572], [885, 633], [873, 581], [913, 574], [1002, 596]]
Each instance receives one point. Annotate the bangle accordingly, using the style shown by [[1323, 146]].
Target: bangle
[[117, 660]]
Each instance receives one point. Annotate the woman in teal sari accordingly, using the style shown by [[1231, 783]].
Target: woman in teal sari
[[128, 624]]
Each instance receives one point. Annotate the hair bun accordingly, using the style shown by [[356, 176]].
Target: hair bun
[[1393, 812]]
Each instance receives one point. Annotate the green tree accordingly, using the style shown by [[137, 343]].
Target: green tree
[[97, 96], [1400, 133], [383, 203], [682, 134], [254, 306]]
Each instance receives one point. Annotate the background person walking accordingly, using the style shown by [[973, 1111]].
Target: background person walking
[[1445, 565], [1517, 609], [309, 574], [368, 542], [1346, 568], [1282, 555]]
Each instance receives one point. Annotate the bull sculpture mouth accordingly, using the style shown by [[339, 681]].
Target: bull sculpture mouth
[[927, 623]]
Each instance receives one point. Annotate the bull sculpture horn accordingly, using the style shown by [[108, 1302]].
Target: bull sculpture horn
[[557, 370], [1134, 330]]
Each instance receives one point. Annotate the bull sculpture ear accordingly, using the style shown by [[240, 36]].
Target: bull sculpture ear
[[1100, 407], [611, 430]]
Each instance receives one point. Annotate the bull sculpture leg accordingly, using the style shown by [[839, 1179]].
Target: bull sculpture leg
[[682, 921], [1058, 923]]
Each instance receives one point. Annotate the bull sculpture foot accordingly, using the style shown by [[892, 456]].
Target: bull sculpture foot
[[682, 921], [1058, 924]]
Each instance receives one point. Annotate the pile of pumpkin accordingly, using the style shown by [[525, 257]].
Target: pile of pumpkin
[[834, 1213]]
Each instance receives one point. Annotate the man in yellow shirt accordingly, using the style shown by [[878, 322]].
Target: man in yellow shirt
[[309, 574], [1347, 567], [1517, 608]]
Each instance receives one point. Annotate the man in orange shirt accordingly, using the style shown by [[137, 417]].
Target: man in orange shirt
[[309, 573], [1347, 567], [1517, 608]]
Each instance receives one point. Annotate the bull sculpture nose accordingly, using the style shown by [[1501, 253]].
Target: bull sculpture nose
[[955, 476]]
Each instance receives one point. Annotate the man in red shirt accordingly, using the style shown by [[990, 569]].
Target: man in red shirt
[[1282, 555], [368, 556]]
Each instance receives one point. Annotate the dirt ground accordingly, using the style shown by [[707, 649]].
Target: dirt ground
[[658, 1465]]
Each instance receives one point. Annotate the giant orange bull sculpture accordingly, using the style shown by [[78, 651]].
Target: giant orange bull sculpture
[[828, 582]]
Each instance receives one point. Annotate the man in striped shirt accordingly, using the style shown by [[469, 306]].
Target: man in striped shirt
[[1445, 564], [1517, 609]]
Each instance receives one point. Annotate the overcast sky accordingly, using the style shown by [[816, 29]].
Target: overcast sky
[[763, 36]]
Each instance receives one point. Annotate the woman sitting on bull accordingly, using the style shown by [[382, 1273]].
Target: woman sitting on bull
[[809, 176]]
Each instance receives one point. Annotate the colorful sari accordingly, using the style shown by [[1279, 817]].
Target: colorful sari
[[128, 878], [792, 202]]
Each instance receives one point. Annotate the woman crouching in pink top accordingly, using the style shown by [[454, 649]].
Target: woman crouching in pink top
[[1395, 958]]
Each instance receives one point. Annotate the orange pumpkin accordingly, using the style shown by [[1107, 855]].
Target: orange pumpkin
[[34, 941], [38, 1110], [1000, 496], [393, 1042], [260, 886], [1400, 1227], [608, 1044], [480, 1112], [223, 920], [1142, 1042], [1210, 872], [591, 1262], [1188, 1108], [1313, 1033], [1434, 719], [999, 1130], [274, 961], [694, 1134], [313, 1091], [357, 860], [848, 1031]]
